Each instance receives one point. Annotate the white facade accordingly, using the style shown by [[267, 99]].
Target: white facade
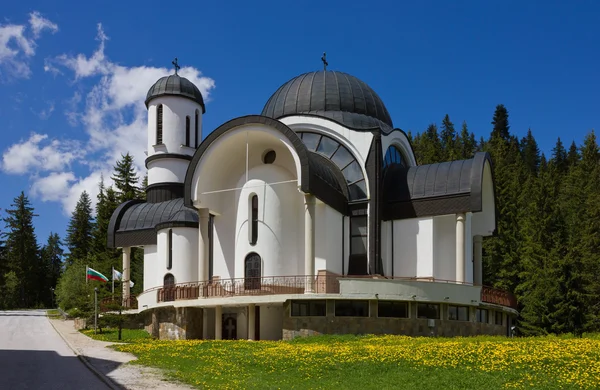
[[268, 206]]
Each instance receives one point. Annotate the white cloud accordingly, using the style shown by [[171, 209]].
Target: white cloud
[[31, 155], [114, 117], [17, 45], [39, 23], [45, 113]]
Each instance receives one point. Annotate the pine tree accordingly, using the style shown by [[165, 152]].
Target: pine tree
[[79, 231], [500, 122], [573, 156], [52, 260], [466, 143], [126, 180], [448, 140], [22, 255], [559, 156], [530, 153]]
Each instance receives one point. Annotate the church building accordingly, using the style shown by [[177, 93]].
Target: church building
[[311, 217]]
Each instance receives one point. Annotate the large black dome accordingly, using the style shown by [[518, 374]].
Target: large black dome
[[174, 85], [335, 95]]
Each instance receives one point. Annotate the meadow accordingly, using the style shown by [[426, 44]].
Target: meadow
[[378, 362]]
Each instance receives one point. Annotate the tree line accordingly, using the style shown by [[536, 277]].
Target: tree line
[[34, 276], [547, 245]]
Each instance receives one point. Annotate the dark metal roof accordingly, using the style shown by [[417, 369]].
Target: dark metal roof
[[434, 189], [138, 217], [175, 85], [332, 94]]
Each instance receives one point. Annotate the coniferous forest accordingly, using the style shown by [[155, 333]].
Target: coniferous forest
[[546, 248]]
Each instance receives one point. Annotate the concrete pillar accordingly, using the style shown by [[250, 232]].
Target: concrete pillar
[[477, 260], [203, 216], [126, 273], [251, 321], [205, 323], [218, 323], [460, 247], [309, 242]]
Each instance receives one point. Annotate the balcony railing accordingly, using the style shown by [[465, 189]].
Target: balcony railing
[[277, 285], [112, 304]]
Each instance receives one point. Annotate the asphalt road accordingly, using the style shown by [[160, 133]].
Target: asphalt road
[[34, 356]]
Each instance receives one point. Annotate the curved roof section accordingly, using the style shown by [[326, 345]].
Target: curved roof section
[[331, 94], [318, 177], [135, 222], [434, 189], [175, 85]]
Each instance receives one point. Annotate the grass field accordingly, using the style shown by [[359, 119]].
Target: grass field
[[378, 362], [53, 314], [127, 335]]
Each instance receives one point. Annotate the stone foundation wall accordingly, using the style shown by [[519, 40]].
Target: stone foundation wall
[[311, 326], [170, 323]]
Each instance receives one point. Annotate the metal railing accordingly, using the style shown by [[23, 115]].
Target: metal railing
[[277, 285]]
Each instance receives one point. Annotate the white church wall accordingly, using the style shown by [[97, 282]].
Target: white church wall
[[386, 247], [277, 203], [413, 247], [185, 254], [468, 248], [162, 253], [400, 140], [300, 237], [271, 322], [224, 233], [151, 278], [328, 239], [175, 109], [444, 247], [167, 171]]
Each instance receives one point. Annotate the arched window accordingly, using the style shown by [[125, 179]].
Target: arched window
[[170, 245], [168, 288], [253, 219], [196, 129], [187, 131], [252, 272], [392, 156], [159, 124], [340, 156]]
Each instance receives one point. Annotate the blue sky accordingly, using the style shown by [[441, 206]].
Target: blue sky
[[73, 76]]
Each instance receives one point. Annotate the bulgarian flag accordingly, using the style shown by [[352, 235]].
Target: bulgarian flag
[[94, 275]]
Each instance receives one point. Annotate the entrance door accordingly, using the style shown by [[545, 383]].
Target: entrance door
[[252, 272], [229, 327]]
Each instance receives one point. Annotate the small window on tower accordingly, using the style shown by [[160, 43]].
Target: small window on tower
[[159, 124], [254, 221], [187, 131]]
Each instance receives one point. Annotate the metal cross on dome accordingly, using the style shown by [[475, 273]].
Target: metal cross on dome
[[324, 59], [177, 67]]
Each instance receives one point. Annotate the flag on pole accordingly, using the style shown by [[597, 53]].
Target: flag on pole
[[119, 276], [95, 275]]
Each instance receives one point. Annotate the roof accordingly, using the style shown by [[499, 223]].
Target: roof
[[434, 189], [332, 94], [175, 85], [135, 222]]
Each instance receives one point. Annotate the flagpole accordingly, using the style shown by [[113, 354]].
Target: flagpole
[[113, 281], [86, 272]]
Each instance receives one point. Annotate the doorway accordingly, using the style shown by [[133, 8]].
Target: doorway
[[252, 272]]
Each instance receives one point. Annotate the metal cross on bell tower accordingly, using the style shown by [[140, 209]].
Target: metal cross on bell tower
[[324, 59], [177, 67]]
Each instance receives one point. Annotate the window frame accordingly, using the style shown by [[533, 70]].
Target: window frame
[[197, 114], [253, 219], [159, 124], [458, 311], [501, 318], [170, 249], [429, 305], [310, 305], [478, 316], [187, 130], [351, 301], [364, 237], [406, 306]]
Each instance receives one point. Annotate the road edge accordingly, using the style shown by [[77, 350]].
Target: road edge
[[106, 379]]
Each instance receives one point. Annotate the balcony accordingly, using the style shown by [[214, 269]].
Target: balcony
[[324, 283]]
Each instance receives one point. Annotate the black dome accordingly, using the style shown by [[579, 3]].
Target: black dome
[[332, 94], [174, 85]]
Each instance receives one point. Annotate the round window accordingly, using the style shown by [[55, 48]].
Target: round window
[[269, 157]]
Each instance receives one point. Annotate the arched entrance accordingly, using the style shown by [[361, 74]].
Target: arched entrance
[[252, 272]]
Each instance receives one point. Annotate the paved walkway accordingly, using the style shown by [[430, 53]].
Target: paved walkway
[[33, 356], [110, 364]]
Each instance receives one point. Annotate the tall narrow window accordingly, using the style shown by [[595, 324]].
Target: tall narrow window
[[159, 124], [187, 131], [196, 129], [170, 244], [254, 216]]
